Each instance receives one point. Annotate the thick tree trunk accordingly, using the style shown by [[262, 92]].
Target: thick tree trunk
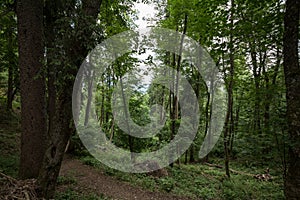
[[62, 115], [59, 136], [50, 60], [32, 84], [292, 81]]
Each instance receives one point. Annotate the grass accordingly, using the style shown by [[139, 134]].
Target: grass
[[198, 180], [73, 195], [66, 180]]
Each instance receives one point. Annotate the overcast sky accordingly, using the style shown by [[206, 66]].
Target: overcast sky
[[146, 11]]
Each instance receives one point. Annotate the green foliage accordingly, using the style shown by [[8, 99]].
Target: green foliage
[[9, 142], [259, 137], [258, 89], [238, 188], [9, 165], [197, 180], [88, 160], [66, 180], [73, 195], [8, 48], [166, 184]]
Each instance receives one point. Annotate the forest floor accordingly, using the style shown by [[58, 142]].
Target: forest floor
[[87, 179], [77, 180]]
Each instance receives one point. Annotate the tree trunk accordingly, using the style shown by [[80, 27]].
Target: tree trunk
[[208, 113], [127, 116], [51, 67], [59, 137], [192, 158], [256, 73], [176, 95], [90, 97], [171, 106], [32, 85], [60, 133], [235, 122], [228, 118], [292, 81]]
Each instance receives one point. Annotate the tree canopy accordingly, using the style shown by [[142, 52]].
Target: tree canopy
[[253, 45]]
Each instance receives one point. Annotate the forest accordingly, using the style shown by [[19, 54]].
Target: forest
[[149, 99]]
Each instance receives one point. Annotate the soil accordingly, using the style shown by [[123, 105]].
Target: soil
[[91, 180]]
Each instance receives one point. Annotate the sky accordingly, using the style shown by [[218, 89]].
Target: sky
[[146, 11]]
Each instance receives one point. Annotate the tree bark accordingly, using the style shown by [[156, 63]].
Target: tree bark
[[292, 81], [228, 119], [171, 105], [257, 76], [90, 97], [177, 77], [76, 50], [51, 67], [59, 136], [32, 85]]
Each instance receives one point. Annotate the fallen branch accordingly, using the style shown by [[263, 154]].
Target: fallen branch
[[213, 165], [231, 170], [241, 173], [10, 179], [263, 177], [17, 189]]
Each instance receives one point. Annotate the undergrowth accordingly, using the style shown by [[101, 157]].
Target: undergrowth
[[202, 181], [193, 180], [9, 142], [74, 195]]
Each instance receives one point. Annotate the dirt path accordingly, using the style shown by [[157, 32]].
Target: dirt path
[[89, 179]]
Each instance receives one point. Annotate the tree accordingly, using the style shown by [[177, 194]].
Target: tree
[[43, 146], [32, 85], [75, 47], [229, 115], [8, 55], [243, 36], [8, 49], [292, 81]]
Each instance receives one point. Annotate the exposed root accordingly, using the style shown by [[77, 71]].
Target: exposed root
[[13, 189]]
